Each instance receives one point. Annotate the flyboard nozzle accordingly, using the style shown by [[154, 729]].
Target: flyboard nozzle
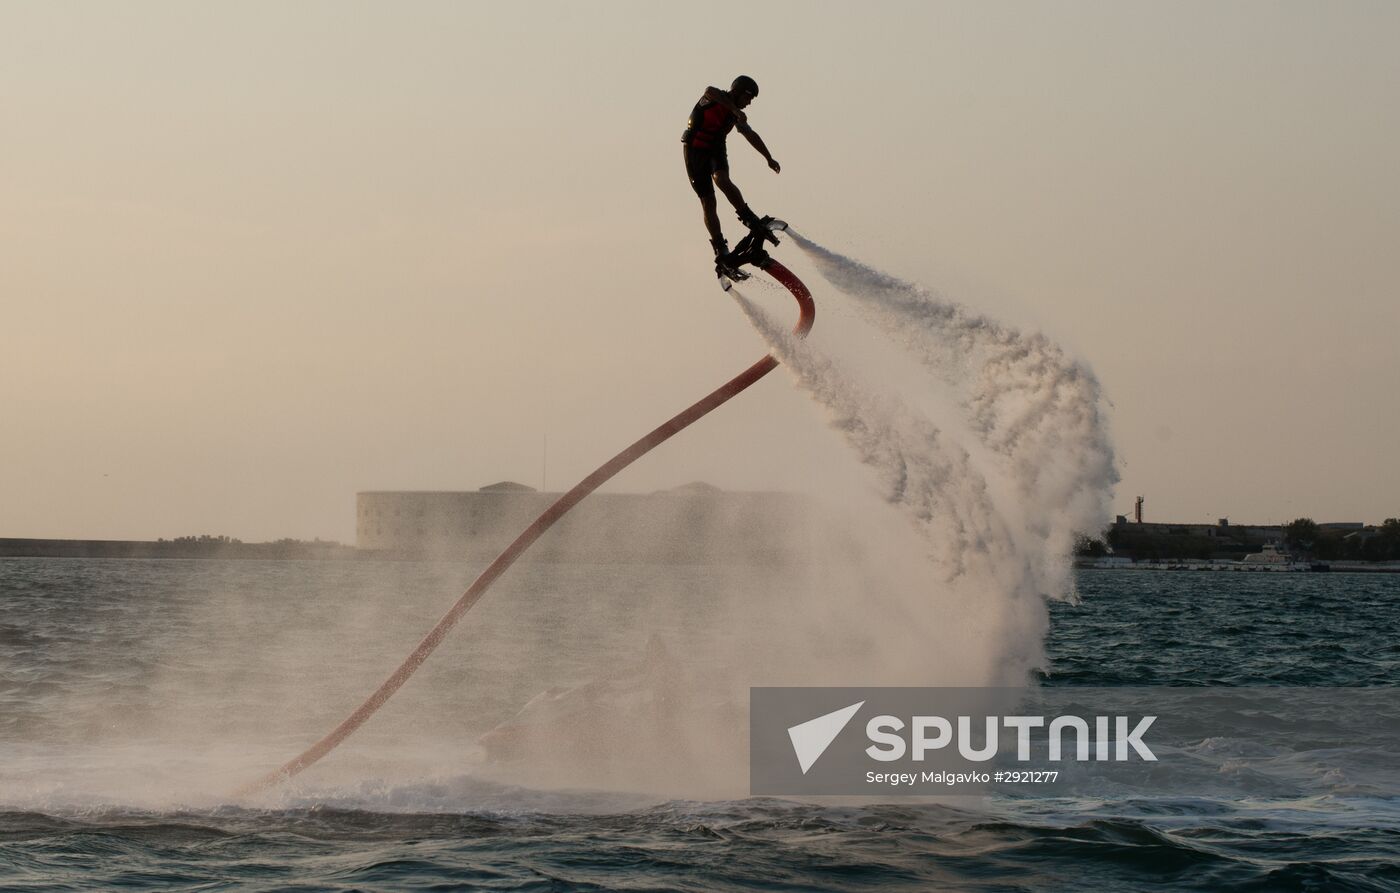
[[750, 247]]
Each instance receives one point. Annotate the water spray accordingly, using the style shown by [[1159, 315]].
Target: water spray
[[1037, 410], [726, 392]]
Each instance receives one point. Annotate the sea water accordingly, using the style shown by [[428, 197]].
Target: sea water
[[135, 694]]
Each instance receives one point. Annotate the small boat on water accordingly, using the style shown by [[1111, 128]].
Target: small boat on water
[[1272, 558]]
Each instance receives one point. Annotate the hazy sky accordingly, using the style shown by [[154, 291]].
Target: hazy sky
[[255, 257]]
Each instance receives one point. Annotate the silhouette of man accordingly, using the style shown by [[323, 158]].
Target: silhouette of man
[[707, 161]]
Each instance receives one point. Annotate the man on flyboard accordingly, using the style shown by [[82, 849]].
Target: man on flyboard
[[707, 163]]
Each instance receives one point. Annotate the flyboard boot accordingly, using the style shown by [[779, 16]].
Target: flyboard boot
[[750, 248], [727, 271], [748, 218], [762, 227]]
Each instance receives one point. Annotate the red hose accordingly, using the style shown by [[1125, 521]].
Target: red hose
[[534, 531]]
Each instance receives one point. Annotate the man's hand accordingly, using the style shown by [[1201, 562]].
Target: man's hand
[[757, 142]]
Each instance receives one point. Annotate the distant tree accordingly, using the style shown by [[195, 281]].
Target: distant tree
[[1089, 547], [1329, 547], [205, 539], [1389, 540], [1301, 534], [1372, 548]]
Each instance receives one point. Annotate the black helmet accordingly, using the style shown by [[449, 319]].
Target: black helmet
[[744, 84]]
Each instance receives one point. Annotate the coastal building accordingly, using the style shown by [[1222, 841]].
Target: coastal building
[[693, 523], [1249, 533]]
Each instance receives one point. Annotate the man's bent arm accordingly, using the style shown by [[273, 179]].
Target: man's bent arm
[[757, 142], [715, 94]]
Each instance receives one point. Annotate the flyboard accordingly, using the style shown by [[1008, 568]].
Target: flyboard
[[750, 252], [730, 267]]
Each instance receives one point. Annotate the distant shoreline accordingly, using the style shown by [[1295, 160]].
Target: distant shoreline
[[16, 547], [49, 548], [1239, 567]]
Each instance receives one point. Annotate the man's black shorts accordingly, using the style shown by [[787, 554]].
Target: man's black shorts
[[702, 164]]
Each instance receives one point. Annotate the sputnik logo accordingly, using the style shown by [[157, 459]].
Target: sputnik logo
[[810, 739]]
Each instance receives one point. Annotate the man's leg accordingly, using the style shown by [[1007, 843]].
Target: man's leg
[[736, 198], [699, 167], [731, 192], [708, 205]]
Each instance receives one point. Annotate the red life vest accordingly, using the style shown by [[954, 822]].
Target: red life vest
[[709, 124]]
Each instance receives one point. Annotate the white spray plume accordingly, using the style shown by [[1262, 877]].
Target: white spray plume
[[921, 472], [978, 583], [1035, 408]]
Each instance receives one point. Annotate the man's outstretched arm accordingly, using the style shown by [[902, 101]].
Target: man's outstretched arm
[[757, 142]]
